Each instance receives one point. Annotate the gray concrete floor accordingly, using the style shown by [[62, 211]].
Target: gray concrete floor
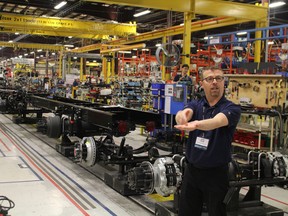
[[42, 182]]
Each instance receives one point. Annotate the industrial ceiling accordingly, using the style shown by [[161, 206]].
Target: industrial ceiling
[[101, 12]]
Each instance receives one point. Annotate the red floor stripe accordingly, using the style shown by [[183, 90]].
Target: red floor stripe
[[274, 199], [5, 145], [47, 176], [270, 198]]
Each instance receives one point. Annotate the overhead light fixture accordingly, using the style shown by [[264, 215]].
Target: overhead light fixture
[[241, 33], [127, 52], [276, 4], [60, 5], [68, 45], [142, 13]]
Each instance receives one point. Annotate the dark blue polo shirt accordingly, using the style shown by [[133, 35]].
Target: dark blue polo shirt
[[218, 152]]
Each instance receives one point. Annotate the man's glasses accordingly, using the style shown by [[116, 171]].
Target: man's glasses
[[210, 79]]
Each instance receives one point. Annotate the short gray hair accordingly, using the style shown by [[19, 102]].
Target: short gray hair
[[212, 68]]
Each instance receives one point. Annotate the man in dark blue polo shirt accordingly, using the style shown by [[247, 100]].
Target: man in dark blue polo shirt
[[211, 122]]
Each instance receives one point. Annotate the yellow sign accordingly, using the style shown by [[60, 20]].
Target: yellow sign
[[65, 25]]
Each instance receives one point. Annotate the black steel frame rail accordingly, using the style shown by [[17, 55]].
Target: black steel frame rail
[[95, 113]]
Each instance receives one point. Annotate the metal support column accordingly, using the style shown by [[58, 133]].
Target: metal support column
[[81, 69], [187, 37], [165, 75], [46, 62]]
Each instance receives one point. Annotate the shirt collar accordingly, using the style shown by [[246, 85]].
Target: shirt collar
[[206, 104]]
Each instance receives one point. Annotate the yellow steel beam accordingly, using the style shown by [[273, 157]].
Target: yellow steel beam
[[134, 46], [53, 33], [207, 7], [231, 9], [32, 46], [175, 30], [65, 25], [86, 48]]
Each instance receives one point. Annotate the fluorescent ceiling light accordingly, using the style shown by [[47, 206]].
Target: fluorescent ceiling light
[[142, 13], [276, 4], [127, 52], [270, 42], [158, 45], [61, 4], [241, 33], [68, 45]]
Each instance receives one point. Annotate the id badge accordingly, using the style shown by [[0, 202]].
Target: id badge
[[201, 143]]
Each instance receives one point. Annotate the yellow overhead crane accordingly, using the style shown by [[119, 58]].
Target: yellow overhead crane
[[69, 27], [18, 45], [53, 33]]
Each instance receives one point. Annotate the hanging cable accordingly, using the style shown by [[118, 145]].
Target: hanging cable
[[5, 205]]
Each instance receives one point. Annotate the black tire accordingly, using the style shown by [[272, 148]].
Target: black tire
[[54, 127]]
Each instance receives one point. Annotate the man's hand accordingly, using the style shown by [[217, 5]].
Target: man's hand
[[182, 117], [190, 126]]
